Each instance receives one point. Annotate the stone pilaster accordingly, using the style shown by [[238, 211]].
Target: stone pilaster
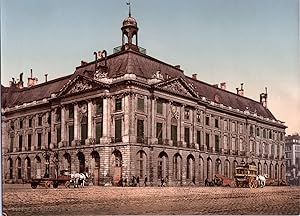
[[63, 124], [76, 122], [90, 123], [126, 122]]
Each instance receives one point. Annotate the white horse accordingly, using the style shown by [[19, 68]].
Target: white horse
[[79, 179], [261, 179]]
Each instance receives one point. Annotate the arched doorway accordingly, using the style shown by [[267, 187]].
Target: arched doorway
[[38, 169], [10, 167], [234, 165], [282, 172], [141, 158], [265, 172], [95, 167], [177, 168], [190, 168], [27, 168], [163, 166], [117, 166], [218, 166], [226, 168], [67, 162], [259, 169], [201, 169], [276, 171], [81, 160], [271, 172], [209, 169], [19, 168]]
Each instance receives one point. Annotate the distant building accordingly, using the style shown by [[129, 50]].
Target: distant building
[[292, 152], [129, 114]]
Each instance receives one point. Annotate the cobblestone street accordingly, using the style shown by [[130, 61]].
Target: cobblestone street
[[22, 200]]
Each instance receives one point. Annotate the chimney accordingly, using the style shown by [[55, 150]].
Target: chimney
[[240, 91], [19, 84], [223, 85], [264, 97], [216, 85], [46, 75], [83, 62], [32, 81], [177, 66], [194, 76]]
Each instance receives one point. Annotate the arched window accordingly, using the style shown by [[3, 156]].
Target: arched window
[[226, 168], [28, 168], [19, 168], [67, 162], [218, 166], [81, 160], [209, 169], [10, 165], [163, 165], [142, 163], [201, 169], [190, 171], [177, 167]]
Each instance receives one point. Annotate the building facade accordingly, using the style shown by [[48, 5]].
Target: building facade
[[292, 153], [129, 114]]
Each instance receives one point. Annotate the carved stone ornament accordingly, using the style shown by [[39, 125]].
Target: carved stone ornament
[[178, 88], [100, 74], [79, 86], [158, 75], [174, 112]]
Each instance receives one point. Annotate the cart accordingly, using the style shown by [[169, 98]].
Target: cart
[[245, 176]]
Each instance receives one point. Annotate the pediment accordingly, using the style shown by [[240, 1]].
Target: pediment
[[78, 85], [178, 86]]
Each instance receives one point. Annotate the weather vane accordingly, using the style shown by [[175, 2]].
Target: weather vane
[[128, 3]]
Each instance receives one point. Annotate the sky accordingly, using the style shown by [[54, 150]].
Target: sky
[[255, 42]]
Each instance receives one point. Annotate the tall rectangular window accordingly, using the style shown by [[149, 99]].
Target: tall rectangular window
[[159, 132], [216, 123], [49, 118], [20, 142], [71, 134], [140, 131], [118, 104], [21, 124], [217, 143], [58, 114], [207, 120], [99, 106], [118, 130], [84, 132], [49, 139], [198, 117], [39, 145], [58, 134], [99, 131], [186, 114], [159, 107], [233, 126], [187, 136], [30, 122], [71, 111], [207, 140], [140, 104], [40, 121], [11, 145], [29, 138], [199, 137], [174, 134]]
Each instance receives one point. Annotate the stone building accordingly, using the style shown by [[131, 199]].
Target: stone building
[[129, 114], [292, 153]]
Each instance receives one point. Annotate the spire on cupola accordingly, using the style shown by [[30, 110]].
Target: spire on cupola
[[129, 31]]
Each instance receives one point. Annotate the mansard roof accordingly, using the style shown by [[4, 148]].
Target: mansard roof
[[132, 62]]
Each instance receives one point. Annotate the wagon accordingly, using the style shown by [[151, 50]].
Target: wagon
[[63, 179], [245, 176], [43, 182], [221, 180]]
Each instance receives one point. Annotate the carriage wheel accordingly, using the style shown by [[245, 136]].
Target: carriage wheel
[[47, 184], [252, 183], [232, 184], [33, 186], [55, 184], [67, 184]]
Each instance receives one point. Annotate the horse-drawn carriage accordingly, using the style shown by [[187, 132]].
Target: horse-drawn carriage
[[246, 176], [63, 179]]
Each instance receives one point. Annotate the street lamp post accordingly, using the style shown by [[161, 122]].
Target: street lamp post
[[47, 152]]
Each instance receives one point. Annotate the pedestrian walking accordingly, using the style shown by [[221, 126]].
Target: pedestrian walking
[[162, 181], [138, 181], [145, 180]]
